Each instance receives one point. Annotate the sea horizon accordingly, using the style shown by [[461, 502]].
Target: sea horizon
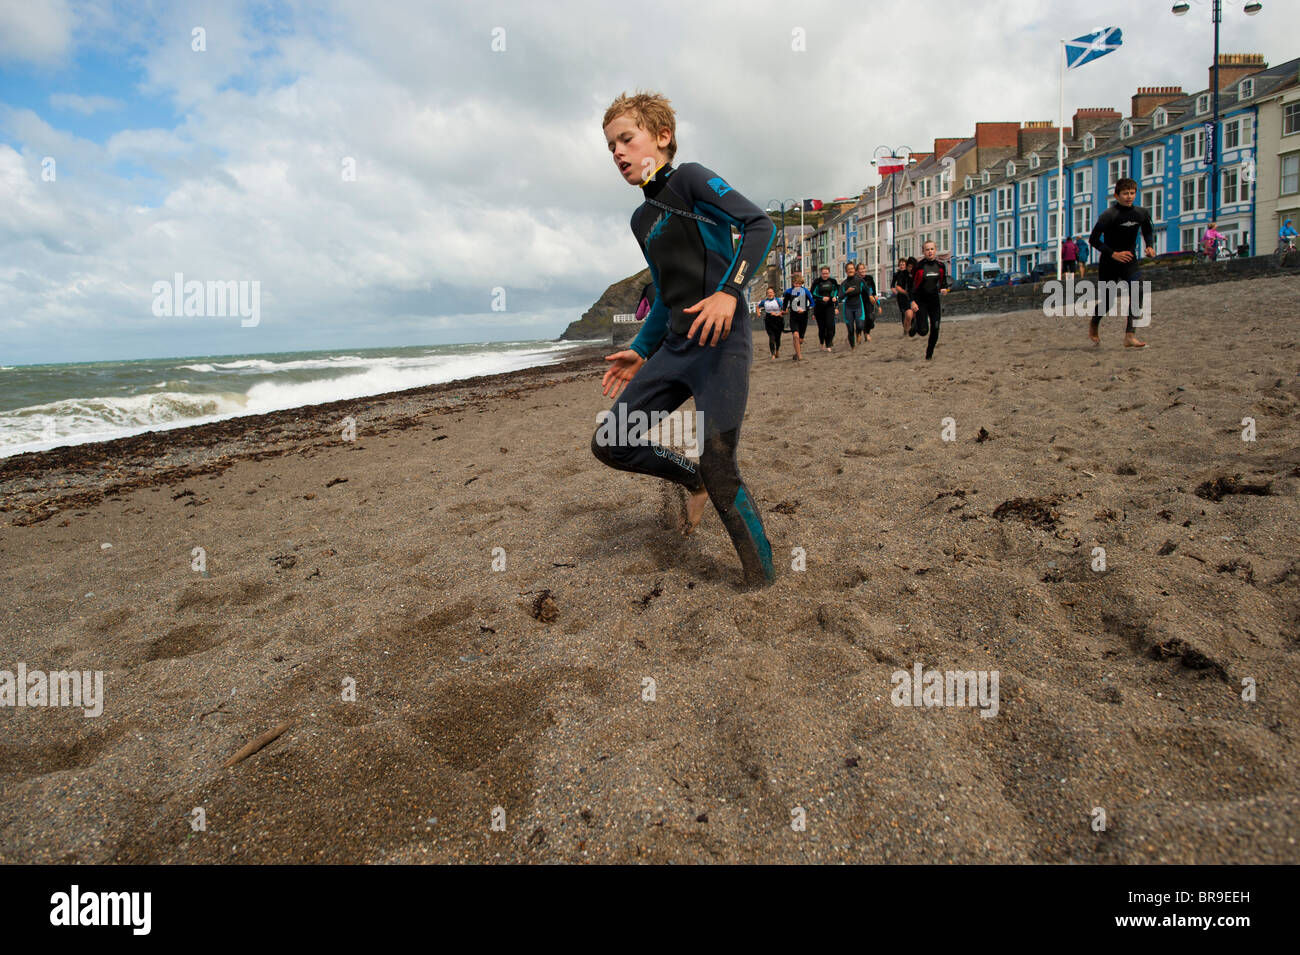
[[58, 404]]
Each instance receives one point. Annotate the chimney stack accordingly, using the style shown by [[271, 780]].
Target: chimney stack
[[1147, 98], [1036, 135], [1234, 67], [943, 146], [1086, 120]]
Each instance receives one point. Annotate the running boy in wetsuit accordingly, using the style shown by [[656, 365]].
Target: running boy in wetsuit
[[688, 346], [929, 281], [1114, 236], [798, 301]]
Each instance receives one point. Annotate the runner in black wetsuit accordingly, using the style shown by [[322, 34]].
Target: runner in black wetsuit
[[929, 282], [798, 303], [1115, 235], [900, 283], [868, 285], [826, 293], [851, 297], [696, 341]]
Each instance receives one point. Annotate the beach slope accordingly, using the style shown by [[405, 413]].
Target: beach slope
[[465, 620]]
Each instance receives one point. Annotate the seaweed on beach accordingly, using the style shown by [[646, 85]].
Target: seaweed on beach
[[1035, 511], [1220, 487]]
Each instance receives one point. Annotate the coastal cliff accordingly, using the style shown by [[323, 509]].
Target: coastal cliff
[[597, 321]]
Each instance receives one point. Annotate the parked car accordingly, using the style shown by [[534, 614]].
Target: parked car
[[1003, 278], [964, 285], [1042, 272]]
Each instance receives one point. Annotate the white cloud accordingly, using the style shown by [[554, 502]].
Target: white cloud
[[85, 105], [478, 169], [35, 32]]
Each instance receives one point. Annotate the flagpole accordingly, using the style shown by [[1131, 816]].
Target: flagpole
[[875, 231], [1060, 170]]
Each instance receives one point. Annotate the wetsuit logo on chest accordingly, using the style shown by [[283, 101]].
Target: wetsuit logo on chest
[[657, 228]]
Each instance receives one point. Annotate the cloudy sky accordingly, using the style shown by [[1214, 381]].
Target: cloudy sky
[[476, 168]]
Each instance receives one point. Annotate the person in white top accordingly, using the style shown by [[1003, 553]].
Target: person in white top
[[774, 320]]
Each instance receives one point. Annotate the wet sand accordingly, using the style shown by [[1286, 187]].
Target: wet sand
[[334, 564]]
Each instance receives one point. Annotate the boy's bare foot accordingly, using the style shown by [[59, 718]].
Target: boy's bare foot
[[1092, 333], [1131, 341], [694, 511]]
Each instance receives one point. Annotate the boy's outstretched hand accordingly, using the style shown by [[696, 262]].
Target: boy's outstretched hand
[[626, 364], [714, 321]]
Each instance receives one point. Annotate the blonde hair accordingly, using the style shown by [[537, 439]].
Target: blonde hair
[[651, 111]]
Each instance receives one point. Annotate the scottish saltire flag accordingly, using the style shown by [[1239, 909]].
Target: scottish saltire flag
[[1086, 48]]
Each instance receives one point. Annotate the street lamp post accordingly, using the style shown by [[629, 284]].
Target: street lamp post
[[893, 218], [781, 205], [1179, 9]]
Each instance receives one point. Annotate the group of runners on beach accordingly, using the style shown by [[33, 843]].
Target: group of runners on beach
[[693, 347], [917, 286]]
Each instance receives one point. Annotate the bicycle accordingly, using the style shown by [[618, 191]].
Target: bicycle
[[1221, 250], [1285, 250]]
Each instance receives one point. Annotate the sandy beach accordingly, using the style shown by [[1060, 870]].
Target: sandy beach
[[334, 564]]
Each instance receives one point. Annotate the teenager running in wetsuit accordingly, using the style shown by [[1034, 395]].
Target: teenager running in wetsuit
[[868, 292], [929, 282], [689, 346], [851, 297], [797, 303], [826, 293], [901, 283], [770, 309], [1114, 236]]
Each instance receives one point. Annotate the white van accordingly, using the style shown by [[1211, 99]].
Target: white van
[[981, 273]]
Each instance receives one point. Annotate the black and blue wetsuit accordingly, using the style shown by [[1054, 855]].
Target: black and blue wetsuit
[[868, 295], [690, 252], [798, 301], [824, 312]]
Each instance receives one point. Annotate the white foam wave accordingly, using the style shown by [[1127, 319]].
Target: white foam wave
[[79, 420]]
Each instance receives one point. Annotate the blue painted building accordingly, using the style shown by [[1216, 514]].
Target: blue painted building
[[1006, 213]]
